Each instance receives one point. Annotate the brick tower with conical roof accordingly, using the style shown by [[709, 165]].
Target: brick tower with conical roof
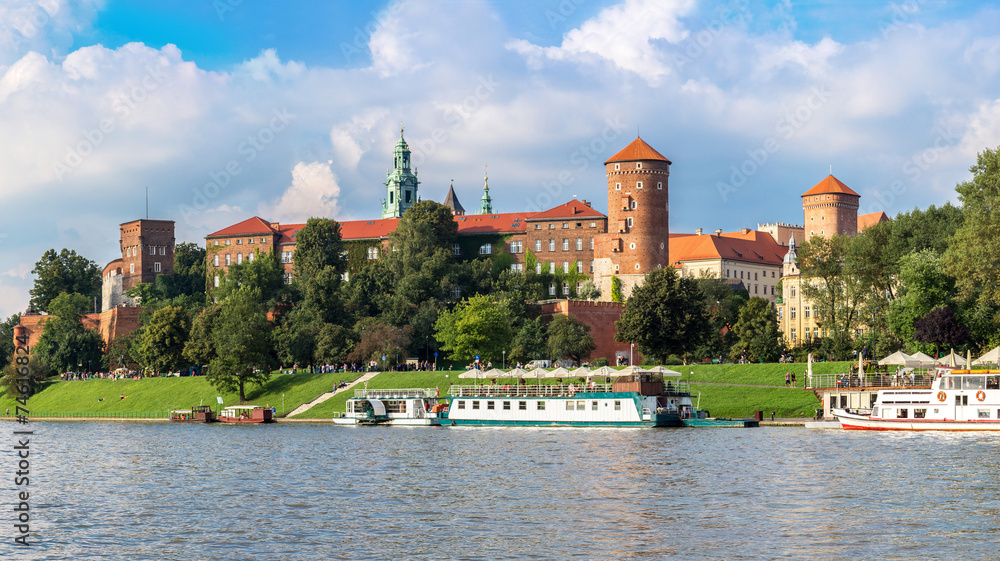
[[830, 208], [638, 218]]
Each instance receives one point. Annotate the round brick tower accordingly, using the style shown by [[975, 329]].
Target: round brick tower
[[638, 216], [830, 208]]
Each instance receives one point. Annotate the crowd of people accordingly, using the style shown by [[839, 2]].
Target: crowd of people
[[116, 375]]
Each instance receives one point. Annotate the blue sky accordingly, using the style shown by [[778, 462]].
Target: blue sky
[[228, 109]]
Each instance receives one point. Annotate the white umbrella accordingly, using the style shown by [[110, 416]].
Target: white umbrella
[[494, 373], [663, 370], [604, 371], [557, 373], [474, 373], [539, 373], [992, 357], [899, 358], [952, 360], [924, 359], [581, 372], [517, 373]]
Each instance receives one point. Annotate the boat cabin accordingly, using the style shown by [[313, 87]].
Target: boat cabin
[[246, 414]]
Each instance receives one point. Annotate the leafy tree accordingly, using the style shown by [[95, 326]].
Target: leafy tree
[[264, 274], [757, 329], [333, 344], [570, 338], [162, 343], [722, 304], [64, 272], [530, 343], [66, 345], [829, 279], [242, 335], [378, 340], [664, 316], [123, 351], [7, 338], [318, 245], [940, 329], [477, 326], [38, 370], [190, 269], [589, 291], [925, 286], [200, 346]]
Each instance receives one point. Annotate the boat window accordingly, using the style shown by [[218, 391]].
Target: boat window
[[973, 382], [984, 413], [522, 405], [874, 411], [570, 405], [461, 404], [541, 406], [506, 406], [490, 405], [475, 404], [919, 413], [593, 406], [902, 413], [951, 383], [993, 382], [618, 405], [961, 400], [581, 405]]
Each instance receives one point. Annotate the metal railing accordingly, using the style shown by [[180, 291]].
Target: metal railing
[[547, 390], [872, 380], [99, 414], [399, 393]]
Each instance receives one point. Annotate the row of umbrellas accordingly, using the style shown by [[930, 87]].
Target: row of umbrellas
[[582, 372], [922, 360]]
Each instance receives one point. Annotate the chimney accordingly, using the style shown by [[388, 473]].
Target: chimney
[[586, 202], [718, 232], [698, 232]]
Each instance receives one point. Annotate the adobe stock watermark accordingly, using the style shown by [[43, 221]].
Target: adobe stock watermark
[[786, 127], [900, 15], [914, 168], [697, 44], [580, 159], [28, 28], [363, 35], [92, 138], [455, 117], [562, 11], [224, 7], [248, 150]]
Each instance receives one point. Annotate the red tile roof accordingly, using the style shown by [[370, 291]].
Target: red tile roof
[[637, 150], [830, 185], [866, 221], [249, 226], [750, 246], [570, 210], [491, 223]]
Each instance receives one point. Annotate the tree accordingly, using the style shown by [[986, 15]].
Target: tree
[[123, 351], [722, 304], [12, 380], [829, 280], [200, 346], [264, 274], [664, 316], [379, 340], [64, 272], [757, 329], [616, 289], [530, 343], [940, 328], [7, 338], [66, 345], [925, 286], [477, 326], [570, 338], [243, 331], [190, 269], [318, 245], [589, 291], [162, 344]]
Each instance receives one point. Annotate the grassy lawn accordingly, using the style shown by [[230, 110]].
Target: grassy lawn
[[164, 394], [742, 401], [756, 374]]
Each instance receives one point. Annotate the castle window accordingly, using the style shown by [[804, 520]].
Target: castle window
[[486, 249], [629, 221], [239, 241], [227, 242], [792, 289], [579, 266], [552, 245], [631, 246], [618, 186], [249, 240], [288, 278], [565, 244], [638, 184], [591, 266], [250, 257], [229, 259], [538, 268], [591, 243], [215, 281], [593, 224], [565, 225], [216, 243], [156, 267], [163, 250], [455, 249], [215, 261], [552, 267], [516, 247], [538, 245], [793, 334], [538, 226], [617, 167], [152, 250], [791, 313], [806, 312], [659, 185], [131, 268], [579, 244], [552, 226], [636, 266], [565, 267], [638, 165], [579, 287], [727, 273], [565, 289], [552, 289], [239, 258], [516, 268], [755, 276], [635, 205], [372, 254]]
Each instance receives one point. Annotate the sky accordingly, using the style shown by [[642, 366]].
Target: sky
[[228, 109]]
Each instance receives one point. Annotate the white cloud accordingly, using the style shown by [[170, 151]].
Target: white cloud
[[314, 192]]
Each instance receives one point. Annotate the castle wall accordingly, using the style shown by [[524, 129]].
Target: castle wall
[[601, 317]]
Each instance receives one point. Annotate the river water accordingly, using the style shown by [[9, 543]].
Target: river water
[[316, 491]]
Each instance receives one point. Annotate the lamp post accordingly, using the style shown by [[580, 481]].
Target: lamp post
[[503, 364], [630, 347]]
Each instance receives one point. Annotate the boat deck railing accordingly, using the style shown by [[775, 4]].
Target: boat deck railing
[[398, 393], [546, 390], [873, 380]]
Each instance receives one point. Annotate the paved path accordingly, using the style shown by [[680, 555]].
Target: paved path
[[307, 406]]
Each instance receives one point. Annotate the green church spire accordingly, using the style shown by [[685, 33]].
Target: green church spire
[[486, 207], [401, 183]]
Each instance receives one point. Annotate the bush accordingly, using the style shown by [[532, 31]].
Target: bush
[[599, 362]]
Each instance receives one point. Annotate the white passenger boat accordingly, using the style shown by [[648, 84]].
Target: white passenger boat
[[958, 400], [415, 406], [636, 400]]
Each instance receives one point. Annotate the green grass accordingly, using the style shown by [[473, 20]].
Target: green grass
[[756, 374], [164, 394], [742, 401]]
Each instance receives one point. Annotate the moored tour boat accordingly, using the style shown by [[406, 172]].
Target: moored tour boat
[[635, 400], [958, 400], [197, 414], [414, 406], [246, 414]]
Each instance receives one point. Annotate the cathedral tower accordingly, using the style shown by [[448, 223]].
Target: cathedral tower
[[830, 208], [401, 183]]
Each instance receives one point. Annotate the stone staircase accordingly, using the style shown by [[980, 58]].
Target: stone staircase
[[307, 406]]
